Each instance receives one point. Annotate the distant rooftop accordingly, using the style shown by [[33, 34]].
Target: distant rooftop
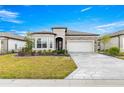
[[10, 35], [121, 32]]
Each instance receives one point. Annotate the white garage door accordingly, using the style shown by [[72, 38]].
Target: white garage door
[[80, 46]]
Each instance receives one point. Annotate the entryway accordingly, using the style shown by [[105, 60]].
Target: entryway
[[59, 43]]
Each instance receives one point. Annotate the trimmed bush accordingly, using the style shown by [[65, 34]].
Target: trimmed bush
[[12, 51], [20, 53], [33, 53], [25, 52], [61, 51], [39, 52], [113, 51]]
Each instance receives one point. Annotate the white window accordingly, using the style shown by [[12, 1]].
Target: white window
[[51, 45], [39, 43], [44, 44], [15, 46], [33, 43]]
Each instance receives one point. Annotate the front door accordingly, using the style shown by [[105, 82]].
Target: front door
[[59, 43]]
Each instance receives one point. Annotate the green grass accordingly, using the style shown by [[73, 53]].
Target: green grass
[[46, 67]]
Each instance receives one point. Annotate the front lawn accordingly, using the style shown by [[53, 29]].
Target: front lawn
[[40, 67]]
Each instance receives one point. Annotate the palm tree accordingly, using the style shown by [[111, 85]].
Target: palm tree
[[105, 39]]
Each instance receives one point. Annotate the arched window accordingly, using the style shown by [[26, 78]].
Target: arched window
[[51, 45], [38, 43], [44, 44], [15, 46]]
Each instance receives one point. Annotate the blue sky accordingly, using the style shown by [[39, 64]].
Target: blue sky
[[86, 18]]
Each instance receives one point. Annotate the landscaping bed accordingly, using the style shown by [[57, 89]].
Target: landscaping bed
[[38, 67], [43, 53], [113, 51]]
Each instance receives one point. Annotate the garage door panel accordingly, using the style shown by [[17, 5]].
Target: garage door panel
[[80, 46]]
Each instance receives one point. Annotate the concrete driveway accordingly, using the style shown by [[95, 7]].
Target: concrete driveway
[[96, 66]]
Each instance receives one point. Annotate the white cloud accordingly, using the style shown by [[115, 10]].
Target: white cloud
[[9, 16], [86, 9], [110, 26], [19, 32]]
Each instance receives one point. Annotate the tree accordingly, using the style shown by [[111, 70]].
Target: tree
[[105, 39], [29, 43]]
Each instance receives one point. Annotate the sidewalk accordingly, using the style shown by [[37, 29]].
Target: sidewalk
[[58, 83]]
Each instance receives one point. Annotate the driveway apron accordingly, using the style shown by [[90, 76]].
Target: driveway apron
[[96, 66]]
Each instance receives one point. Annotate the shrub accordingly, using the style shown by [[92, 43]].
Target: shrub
[[106, 51], [61, 51], [12, 51], [114, 51], [50, 52], [39, 52], [26, 52], [33, 53], [44, 52], [121, 54], [20, 53]]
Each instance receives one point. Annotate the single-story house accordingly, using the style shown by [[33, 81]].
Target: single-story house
[[117, 40], [10, 42], [61, 38]]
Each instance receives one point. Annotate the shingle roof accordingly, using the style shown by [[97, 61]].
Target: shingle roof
[[10, 35], [68, 33], [77, 33], [121, 32]]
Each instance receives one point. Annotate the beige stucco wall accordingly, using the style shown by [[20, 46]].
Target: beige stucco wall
[[114, 42], [7, 45], [12, 42], [60, 33], [3, 45], [122, 43]]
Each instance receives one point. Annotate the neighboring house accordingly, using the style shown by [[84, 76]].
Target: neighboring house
[[10, 42], [61, 38], [117, 40]]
